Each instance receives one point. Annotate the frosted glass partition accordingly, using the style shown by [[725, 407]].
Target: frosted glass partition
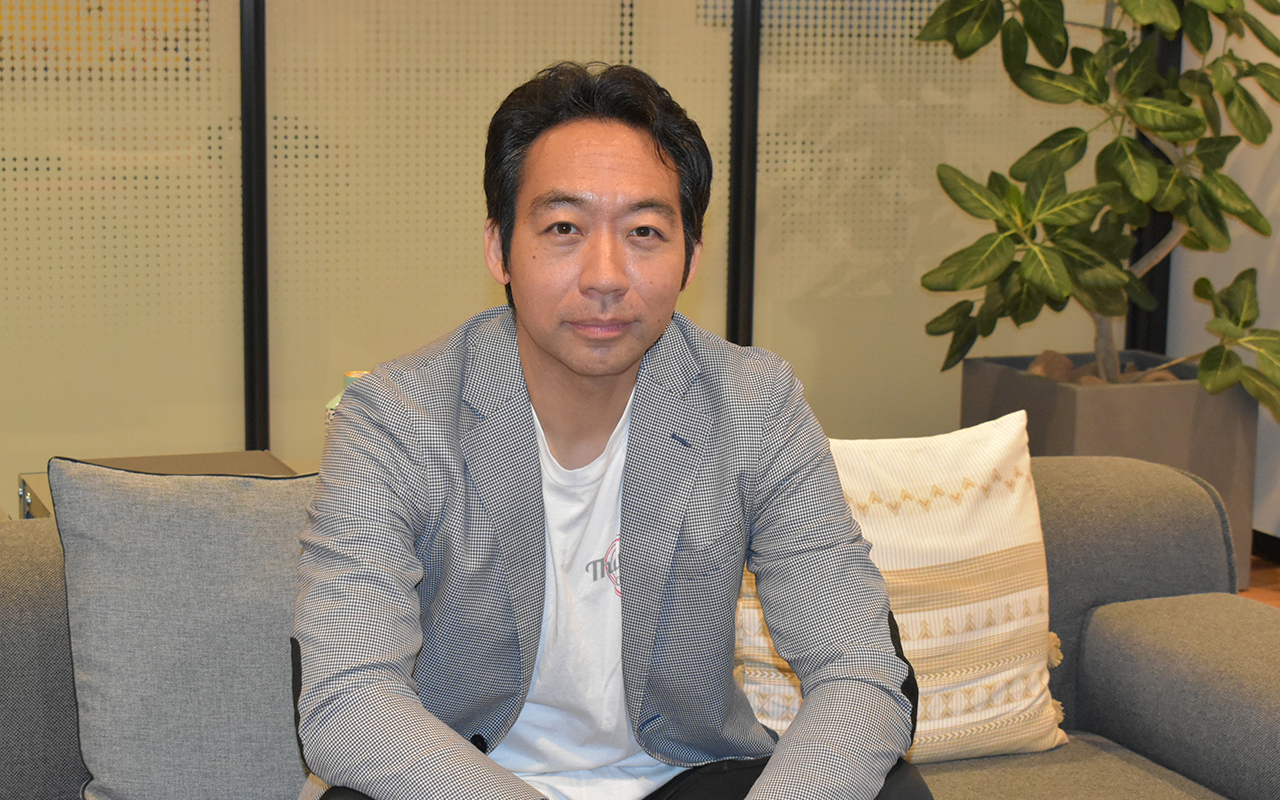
[[120, 316], [377, 115], [855, 115]]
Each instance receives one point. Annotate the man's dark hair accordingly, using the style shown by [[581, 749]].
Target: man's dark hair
[[570, 91]]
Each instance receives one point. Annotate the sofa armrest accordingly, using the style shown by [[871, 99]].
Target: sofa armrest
[[1118, 529], [39, 733], [1191, 683]]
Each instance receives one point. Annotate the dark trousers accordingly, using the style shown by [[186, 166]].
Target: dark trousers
[[731, 780]]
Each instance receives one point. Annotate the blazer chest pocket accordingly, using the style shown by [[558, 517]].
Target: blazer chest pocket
[[708, 557]]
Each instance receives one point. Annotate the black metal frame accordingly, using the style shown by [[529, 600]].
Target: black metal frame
[[744, 125], [253, 148], [1149, 330]]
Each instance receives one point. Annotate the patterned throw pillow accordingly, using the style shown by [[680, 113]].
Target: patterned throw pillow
[[955, 529]]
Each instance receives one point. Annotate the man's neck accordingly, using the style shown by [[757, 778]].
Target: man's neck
[[579, 419]]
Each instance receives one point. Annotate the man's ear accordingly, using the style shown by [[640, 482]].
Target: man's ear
[[493, 252], [693, 264]]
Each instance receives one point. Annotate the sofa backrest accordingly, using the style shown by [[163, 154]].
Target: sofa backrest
[[39, 740], [1118, 529]]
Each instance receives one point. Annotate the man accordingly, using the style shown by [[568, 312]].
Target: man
[[526, 545]]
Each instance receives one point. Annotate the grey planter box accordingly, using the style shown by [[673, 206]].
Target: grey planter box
[[1174, 423]]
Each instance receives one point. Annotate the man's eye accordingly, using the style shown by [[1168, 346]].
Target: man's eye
[[644, 232], [563, 228]]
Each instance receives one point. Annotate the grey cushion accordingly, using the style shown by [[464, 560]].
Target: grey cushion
[[39, 748], [180, 593], [1190, 682], [1088, 767]]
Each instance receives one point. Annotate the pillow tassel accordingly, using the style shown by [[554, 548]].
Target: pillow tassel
[[1055, 650]]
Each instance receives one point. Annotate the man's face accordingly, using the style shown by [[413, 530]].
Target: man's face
[[597, 252]]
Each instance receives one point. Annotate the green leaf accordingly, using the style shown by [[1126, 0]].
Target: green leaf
[[1224, 328], [1268, 78], [981, 27], [1269, 6], [946, 19], [1204, 290], [1075, 207], [1170, 190], [992, 309], [1045, 25], [1224, 80], [1212, 151], [1196, 26], [1107, 302], [1139, 72], [949, 320], [1247, 117], [1202, 215], [1265, 344], [1193, 241], [1066, 148], [1046, 185], [1269, 40], [974, 266], [1265, 390], [1212, 117], [1043, 267], [1013, 47], [961, 341], [1139, 294], [1011, 194], [1073, 249], [1168, 120], [1103, 276], [1241, 298], [1216, 6], [1195, 83], [1232, 199], [1161, 13], [974, 198], [1023, 301], [1220, 369], [1132, 164], [1051, 87]]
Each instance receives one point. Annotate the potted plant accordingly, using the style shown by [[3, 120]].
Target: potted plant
[[1164, 139]]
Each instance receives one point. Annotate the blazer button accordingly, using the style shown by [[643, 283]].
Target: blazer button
[[480, 743]]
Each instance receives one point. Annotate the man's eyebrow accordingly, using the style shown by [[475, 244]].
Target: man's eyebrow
[[557, 198]]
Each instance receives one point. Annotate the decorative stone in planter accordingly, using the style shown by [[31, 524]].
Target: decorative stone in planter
[[1173, 422]]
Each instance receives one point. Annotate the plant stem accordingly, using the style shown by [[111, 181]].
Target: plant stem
[[1156, 254], [1104, 349]]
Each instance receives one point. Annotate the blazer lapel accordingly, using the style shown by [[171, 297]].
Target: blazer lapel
[[501, 459], [666, 444]]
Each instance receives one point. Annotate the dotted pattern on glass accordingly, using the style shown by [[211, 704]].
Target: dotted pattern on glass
[[121, 248], [104, 40]]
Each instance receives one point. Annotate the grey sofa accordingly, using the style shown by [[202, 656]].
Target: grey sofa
[[1170, 682]]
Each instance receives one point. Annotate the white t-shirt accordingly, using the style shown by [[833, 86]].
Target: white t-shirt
[[572, 739]]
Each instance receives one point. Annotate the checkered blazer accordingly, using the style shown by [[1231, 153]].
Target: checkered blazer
[[422, 574]]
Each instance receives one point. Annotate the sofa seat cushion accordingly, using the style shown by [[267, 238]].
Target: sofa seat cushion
[[1088, 767], [1189, 681], [180, 594]]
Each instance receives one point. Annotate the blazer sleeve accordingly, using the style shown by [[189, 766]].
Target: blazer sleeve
[[827, 610], [357, 620]]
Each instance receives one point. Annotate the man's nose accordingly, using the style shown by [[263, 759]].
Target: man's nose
[[604, 267]]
